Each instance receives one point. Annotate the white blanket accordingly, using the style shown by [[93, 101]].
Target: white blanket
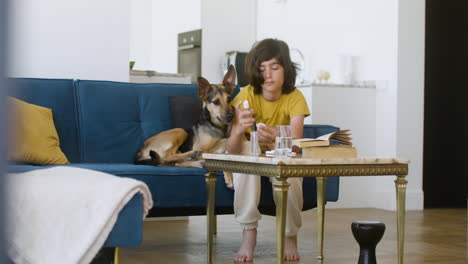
[[64, 214]]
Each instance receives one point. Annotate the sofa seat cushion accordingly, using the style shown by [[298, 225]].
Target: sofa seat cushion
[[128, 169], [169, 186], [185, 187]]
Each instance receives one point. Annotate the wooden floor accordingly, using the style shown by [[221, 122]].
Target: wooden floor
[[432, 236]]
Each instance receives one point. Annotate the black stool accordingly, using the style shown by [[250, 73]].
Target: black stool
[[367, 234]]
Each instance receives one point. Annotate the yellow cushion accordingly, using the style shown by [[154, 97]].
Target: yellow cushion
[[33, 137]]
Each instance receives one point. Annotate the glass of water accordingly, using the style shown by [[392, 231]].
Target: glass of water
[[283, 142]]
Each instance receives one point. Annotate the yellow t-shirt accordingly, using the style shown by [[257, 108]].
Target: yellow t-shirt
[[278, 112]]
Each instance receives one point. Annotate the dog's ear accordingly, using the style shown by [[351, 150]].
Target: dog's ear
[[229, 81], [203, 88]]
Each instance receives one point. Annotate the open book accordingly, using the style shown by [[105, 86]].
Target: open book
[[340, 137]]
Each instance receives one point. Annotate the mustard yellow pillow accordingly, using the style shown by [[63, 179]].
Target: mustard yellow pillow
[[32, 133]]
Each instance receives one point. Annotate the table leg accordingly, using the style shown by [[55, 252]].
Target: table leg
[[281, 194], [117, 255], [400, 184], [215, 224], [210, 217], [321, 189]]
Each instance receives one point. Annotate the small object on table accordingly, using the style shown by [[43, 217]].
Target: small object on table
[[283, 142], [367, 234], [254, 147], [323, 76]]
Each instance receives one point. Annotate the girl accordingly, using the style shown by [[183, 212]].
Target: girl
[[273, 100]]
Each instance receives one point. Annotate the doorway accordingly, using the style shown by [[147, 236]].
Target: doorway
[[445, 179]]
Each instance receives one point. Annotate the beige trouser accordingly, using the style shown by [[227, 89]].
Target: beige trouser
[[247, 196]]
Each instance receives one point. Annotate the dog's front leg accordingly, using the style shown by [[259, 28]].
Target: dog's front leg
[[179, 157], [228, 179], [190, 164]]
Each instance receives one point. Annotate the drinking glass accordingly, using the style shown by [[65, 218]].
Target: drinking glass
[[283, 142], [254, 147]]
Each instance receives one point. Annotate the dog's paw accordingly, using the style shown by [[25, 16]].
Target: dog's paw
[[229, 180], [230, 186], [196, 154]]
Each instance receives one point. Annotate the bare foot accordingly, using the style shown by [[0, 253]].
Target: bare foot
[[249, 241], [290, 249]]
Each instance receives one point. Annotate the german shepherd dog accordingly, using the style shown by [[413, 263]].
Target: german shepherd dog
[[209, 134]]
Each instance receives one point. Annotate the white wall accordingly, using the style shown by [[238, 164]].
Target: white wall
[[323, 30], [389, 39], [168, 19], [141, 30], [69, 39], [227, 26], [410, 125]]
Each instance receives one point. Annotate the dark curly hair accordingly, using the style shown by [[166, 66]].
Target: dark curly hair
[[266, 50]]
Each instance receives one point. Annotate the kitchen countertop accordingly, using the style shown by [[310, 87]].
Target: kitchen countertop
[[150, 73], [363, 84]]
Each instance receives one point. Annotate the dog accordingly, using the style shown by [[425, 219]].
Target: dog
[[209, 134]]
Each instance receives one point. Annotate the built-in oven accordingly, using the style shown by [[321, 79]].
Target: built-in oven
[[189, 53]]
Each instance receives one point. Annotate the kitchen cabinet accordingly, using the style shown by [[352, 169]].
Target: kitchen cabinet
[[306, 90]]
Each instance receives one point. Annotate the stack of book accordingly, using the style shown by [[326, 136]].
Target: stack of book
[[334, 145]]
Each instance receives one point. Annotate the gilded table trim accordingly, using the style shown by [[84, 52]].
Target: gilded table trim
[[306, 170]]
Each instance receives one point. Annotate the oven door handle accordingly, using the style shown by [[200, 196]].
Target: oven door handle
[[188, 46]]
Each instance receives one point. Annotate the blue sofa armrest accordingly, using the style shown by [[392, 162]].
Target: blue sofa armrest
[[313, 131], [128, 230], [333, 183]]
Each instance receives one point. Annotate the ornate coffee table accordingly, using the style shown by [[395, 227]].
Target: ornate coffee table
[[283, 168]]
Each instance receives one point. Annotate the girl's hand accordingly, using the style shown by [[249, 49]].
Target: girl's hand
[[266, 134], [243, 119]]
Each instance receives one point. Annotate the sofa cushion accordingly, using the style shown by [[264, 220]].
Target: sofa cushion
[[58, 95], [174, 187], [34, 138], [169, 186], [117, 117], [128, 169], [185, 111]]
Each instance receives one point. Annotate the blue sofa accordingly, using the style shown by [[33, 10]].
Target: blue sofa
[[101, 125]]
